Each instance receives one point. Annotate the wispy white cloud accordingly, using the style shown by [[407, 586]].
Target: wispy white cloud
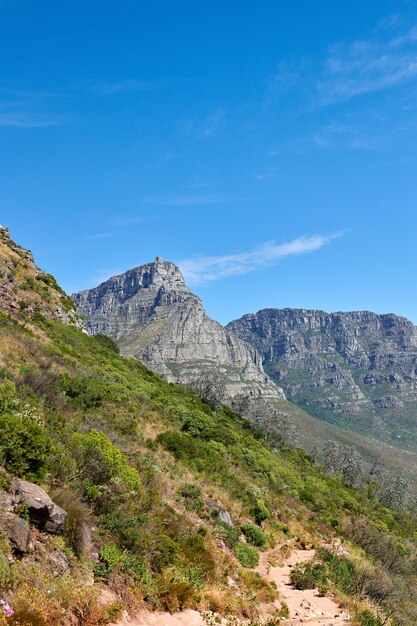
[[345, 136], [365, 66], [129, 85], [201, 269], [205, 127]]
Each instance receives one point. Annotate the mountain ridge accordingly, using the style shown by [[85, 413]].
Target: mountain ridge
[[356, 369], [153, 315]]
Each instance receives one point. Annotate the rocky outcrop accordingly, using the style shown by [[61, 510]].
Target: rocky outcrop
[[153, 315], [358, 369], [25, 290], [42, 511], [18, 531]]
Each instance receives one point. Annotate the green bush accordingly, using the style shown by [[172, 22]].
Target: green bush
[[24, 447], [309, 576], [99, 460], [254, 535], [366, 618], [85, 392], [190, 490], [107, 342], [200, 425], [260, 512], [341, 571], [248, 556]]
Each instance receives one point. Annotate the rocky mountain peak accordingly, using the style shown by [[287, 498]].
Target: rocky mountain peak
[[153, 315]]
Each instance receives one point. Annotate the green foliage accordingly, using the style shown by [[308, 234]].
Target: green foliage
[[8, 395], [100, 461], [24, 447], [190, 491], [260, 512], [200, 425], [107, 342], [309, 576], [193, 501], [366, 618], [85, 392], [247, 555], [254, 535], [341, 571]]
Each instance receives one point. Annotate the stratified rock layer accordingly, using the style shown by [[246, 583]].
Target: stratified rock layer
[[152, 314], [358, 370]]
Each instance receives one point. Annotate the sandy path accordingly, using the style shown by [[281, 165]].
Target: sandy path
[[149, 618], [305, 607]]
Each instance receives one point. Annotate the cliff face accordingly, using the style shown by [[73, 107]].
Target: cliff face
[[357, 370], [153, 315]]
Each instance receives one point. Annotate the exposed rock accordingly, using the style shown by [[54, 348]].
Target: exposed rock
[[18, 531], [42, 511], [58, 563], [358, 369], [153, 315], [6, 502], [223, 514]]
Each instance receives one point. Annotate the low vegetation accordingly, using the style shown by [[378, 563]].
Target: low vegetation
[[149, 466]]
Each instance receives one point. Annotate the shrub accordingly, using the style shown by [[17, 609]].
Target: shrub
[[85, 392], [107, 342], [309, 576], [248, 556], [190, 491], [24, 447], [260, 512], [366, 618], [100, 461], [254, 535], [200, 425]]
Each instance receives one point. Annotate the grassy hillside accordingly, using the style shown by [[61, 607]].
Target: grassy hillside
[[150, 470]]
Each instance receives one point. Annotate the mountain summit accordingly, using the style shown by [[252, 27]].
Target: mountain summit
[[153, 315]]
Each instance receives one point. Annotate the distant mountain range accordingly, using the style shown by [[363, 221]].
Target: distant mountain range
[[357, 370]]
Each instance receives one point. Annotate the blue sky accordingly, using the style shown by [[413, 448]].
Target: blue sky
[[269, 148]]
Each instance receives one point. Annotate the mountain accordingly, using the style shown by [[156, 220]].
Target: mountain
[[122, 495], [152, 315], [357, 369]]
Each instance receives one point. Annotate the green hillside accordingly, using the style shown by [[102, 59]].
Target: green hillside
[[150, 471]]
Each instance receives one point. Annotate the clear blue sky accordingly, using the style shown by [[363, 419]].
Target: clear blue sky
[[269, 147]]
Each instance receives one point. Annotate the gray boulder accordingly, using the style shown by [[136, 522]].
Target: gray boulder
[[17, 530], [43, 512], [222, 514]]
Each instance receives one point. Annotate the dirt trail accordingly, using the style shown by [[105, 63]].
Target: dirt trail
[[305, 607]]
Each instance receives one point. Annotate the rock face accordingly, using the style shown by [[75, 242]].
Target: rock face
[[153, 315], [357, 370], [42, 511], [18, 531]]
